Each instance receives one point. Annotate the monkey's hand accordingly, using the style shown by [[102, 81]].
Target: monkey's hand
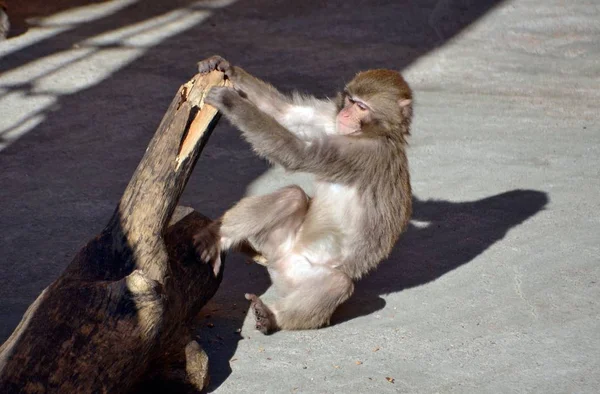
[[207, 246], [225, 99], [237, 109], [216, 63]]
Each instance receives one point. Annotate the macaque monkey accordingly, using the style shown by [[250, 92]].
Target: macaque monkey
[[355, 146]]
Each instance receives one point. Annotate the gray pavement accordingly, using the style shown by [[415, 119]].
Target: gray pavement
[[493, 289]]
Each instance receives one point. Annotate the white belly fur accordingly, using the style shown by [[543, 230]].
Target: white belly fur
[[329, 224]]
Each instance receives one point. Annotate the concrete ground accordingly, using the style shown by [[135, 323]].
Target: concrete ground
[[493, 289]]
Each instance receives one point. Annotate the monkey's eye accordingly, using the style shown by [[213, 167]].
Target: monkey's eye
[[362, 106]]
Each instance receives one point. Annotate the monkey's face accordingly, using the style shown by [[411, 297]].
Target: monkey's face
[[354, 113], [376, 103]]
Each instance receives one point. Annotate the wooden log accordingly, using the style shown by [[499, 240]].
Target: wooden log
[[121, 313]]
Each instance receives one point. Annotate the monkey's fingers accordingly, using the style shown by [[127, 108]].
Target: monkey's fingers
[[200, 247], [209, 254], [209, 64], [215, 62], [206, 245]]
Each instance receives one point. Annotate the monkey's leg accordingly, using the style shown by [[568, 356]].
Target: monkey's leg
[[269, 220], [317, 290], [207, 243], [253, 254]]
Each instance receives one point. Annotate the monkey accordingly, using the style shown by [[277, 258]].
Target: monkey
[[355, 145]]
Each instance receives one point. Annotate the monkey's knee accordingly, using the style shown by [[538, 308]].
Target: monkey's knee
[[294, 199], [312, 305], [339, 290]]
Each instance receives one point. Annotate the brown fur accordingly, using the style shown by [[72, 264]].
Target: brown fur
[[316, 248]]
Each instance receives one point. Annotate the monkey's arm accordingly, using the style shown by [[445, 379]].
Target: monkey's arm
[[337, 159], [264, 95], [305, 116]]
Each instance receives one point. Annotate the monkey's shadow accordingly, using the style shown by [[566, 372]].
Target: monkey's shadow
[[449, 235]]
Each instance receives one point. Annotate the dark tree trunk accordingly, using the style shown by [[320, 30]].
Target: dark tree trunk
[[122, 312]]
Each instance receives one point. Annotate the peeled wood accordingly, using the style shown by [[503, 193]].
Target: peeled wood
[[121, 314]]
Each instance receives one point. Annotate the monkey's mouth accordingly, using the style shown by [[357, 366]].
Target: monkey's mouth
[[347, 129]]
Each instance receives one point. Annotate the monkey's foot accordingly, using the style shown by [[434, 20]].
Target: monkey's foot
[[207, 246], [265, 319], [260, 259]]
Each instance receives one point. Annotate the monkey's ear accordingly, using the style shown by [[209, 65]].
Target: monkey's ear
[[406, 108], [404, 102]]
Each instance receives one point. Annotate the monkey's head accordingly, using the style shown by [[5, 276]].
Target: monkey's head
[[375, 103]]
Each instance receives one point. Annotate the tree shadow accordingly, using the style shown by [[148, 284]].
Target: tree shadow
[[62, 180], [221, 320]]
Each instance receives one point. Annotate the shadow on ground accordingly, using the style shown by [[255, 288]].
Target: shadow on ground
[[20, 11], [61, 181], [454, 234]]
